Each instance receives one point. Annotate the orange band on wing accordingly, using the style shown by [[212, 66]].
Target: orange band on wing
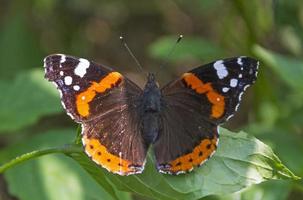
[[200, 154], [215, 98], [101, 156], [83, 99]]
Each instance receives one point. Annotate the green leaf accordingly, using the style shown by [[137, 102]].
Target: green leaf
[[189, 47], [286, 142], [133, 183], [19, 45], [241, 160], [52, 176], [257, 16], [269, 190], [26, 99], [290, 70]]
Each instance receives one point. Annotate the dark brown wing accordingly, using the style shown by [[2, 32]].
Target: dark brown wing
[[105, 103], [186, 139], [194, 105], [113, 139]]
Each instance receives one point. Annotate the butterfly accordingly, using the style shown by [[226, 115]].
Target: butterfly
[[120, 121]]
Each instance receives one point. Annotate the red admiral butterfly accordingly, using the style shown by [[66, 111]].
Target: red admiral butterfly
[[120, 120]]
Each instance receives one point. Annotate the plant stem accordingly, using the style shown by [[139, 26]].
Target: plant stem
[[66, 149]]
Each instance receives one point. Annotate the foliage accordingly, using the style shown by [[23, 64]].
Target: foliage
[[240, 161], [31, 117]]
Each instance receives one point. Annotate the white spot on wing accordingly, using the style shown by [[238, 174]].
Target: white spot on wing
[[225, 89], [233, 82], [96, 161], [69, 114], [63, 105], [82, 131], [240, 75], [68, 80], [237, 106], [180, 172], [61, 73], [230, 116], [239, 61], [63, 59], [240, 96], [76, 87], [245, 87], [80, 70], [221, 69]]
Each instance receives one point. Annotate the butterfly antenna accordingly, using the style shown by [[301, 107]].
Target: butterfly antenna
[[172, 49], [140, 68]]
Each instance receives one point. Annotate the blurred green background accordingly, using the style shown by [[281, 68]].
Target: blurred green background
[[31, 115]]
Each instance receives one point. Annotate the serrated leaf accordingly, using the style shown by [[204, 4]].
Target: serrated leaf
[[52, 176], [241, 160], [26, 99], [189, 47]]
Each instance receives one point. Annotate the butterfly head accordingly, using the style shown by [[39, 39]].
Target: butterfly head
[[151, 81], [151, 77]]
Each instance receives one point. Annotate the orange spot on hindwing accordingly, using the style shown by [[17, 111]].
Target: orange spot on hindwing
[[197, 157], [217, 100], [84, 98], [100, 155]]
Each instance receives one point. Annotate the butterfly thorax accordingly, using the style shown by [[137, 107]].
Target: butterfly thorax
[[151, 106], [151, 95]]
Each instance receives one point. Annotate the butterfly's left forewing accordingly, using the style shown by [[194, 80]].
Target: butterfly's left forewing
[[193, 107], [105, 103]]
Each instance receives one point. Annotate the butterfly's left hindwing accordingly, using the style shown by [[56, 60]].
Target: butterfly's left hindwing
[[194, 105], [105, 103]]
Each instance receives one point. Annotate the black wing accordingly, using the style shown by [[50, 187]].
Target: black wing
[[193, 107], [104, 102]]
